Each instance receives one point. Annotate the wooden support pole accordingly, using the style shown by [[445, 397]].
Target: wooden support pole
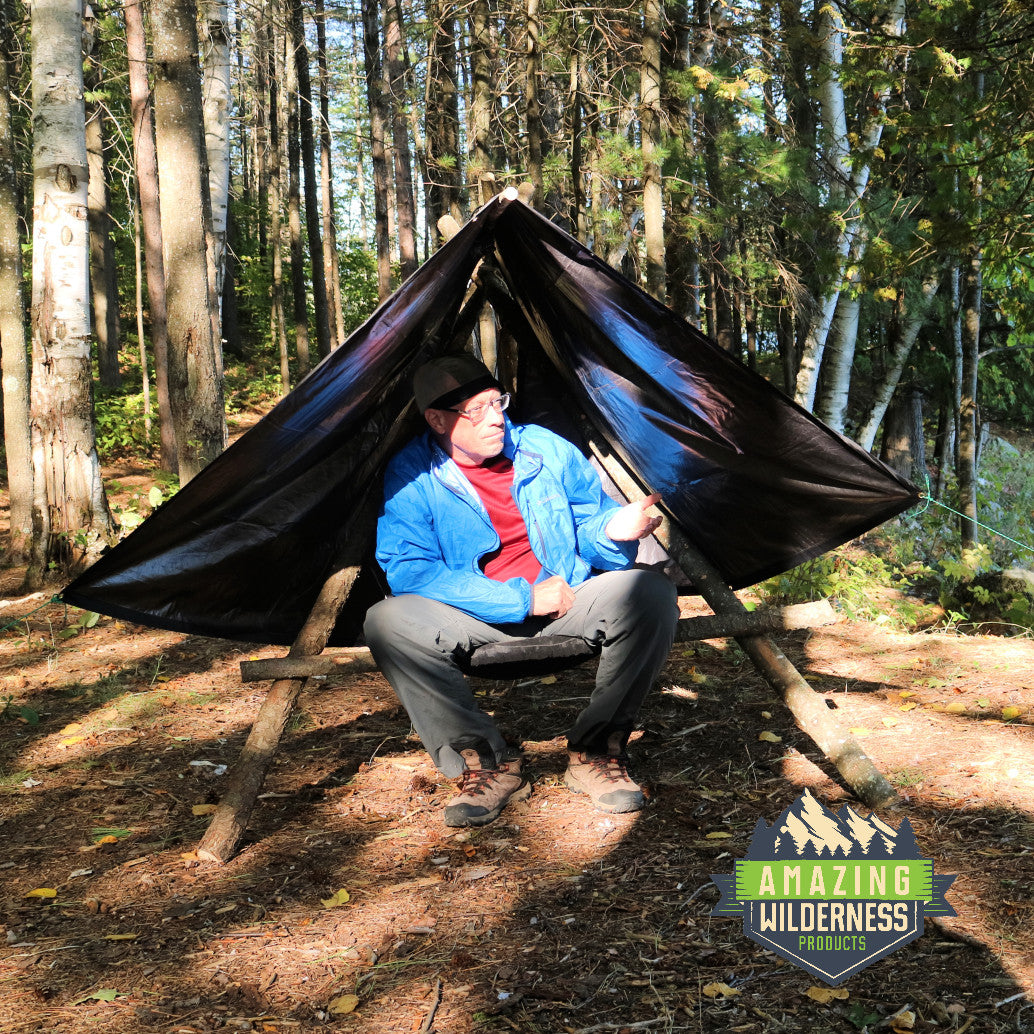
[[230, 820], [808, 708]]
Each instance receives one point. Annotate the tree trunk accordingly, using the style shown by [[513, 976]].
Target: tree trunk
[[444, 174], [378, 129], [848, 179], [650, 130], [70, 516], [405, 207], [103, 279], [217, 102], [14, 363], [969, 423], [481, 100], [331, 267], [307, 140], [299, 288], [906, 330], [195, 386], [273, 55], [146, 165], [532, 102]]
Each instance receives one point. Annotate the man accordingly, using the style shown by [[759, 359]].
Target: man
[[492, 530]]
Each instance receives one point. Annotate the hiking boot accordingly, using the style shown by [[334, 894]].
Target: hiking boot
[[605, 778], [484, 792]]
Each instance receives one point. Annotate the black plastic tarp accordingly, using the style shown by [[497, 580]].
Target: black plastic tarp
[[757, 483]]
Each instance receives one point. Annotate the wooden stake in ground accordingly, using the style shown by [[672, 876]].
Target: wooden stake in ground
[[230, 820]]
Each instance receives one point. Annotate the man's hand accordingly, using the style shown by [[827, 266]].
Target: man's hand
[[551, 598], [631, 521]]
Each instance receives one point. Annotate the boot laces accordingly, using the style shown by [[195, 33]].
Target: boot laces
[[612, 767]]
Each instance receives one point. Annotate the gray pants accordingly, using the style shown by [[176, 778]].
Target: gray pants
[[419, 645]]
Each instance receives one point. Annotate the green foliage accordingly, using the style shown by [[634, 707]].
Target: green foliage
[[120, 426]]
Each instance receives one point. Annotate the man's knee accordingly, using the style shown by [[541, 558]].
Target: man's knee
[[650, 594], [391, 619]]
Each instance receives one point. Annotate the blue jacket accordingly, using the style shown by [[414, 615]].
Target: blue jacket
[[433, 528]]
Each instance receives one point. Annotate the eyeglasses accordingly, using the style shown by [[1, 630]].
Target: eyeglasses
[[478, 413]]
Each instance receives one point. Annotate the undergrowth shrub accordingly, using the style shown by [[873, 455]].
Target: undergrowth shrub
[[913, 572]]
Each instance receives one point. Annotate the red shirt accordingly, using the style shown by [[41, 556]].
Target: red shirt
[[493, 482]]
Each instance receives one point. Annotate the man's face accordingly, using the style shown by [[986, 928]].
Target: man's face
[[467, 442]]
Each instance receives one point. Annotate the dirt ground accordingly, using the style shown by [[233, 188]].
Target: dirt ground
[[352, 907]]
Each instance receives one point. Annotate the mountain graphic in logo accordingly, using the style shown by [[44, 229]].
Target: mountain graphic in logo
[[832, 892], [807, 829]]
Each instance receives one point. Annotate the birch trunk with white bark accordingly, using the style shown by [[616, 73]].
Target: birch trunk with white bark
[[847, 187], [70, 515]]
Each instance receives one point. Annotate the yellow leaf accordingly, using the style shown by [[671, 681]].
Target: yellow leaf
[[826, 994], [340, 898], [343, 1004], [1010, 712], [71, 742], [770, 737], [956, 707], [698, 677], [859, 730], [108, 839], [204, 809], [903, 1022], [718, 835], [719, 990], [889, 721], [911, 706], [71, 727], [906, 693], [766, 715], [42, 892], [549, 680], [121, 936]]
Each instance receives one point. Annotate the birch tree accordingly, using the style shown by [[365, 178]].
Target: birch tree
[[70, 512], [847, 185], [217, 103]]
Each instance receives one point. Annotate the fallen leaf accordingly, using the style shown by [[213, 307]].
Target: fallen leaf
[[718, 835], [204, 809], [903, 1022], [340, 898], [698, 677], [770, 737], [983, 702], [889, 721], [827, 994], [549, 680], [1010, 712], [911, 706], [719, 989], [105, 994], [121, 936], [108, 838], [956, 707], [767, 715], [859, 731], [343, 1005], [42, 892]]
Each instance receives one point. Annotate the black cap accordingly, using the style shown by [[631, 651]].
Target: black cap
[[442, 382]]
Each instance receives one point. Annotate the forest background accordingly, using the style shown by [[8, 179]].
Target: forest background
[[198, 202]]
